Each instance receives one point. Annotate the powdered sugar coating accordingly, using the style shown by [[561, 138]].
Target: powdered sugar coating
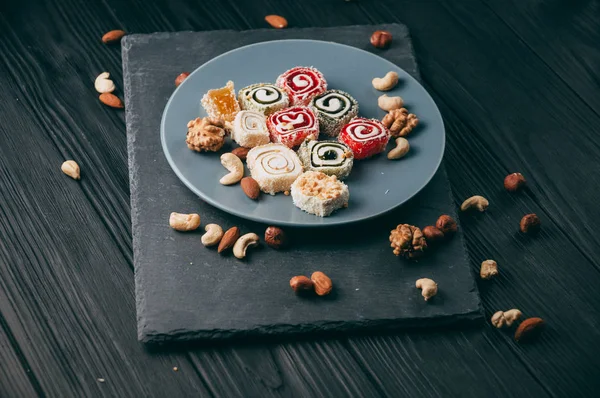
[[293, 125], [366, 137], [302, 84]]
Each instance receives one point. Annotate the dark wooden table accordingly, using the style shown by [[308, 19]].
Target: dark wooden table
[[518, 84]]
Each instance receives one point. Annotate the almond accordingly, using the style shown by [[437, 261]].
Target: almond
[[250, 187], [276, 21], [323, 284], [113, 36], [301, 284], [229, 239], [241, 152], [179, 79], [111, 100], [529, 329]]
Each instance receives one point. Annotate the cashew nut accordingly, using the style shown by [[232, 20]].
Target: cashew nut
[[390, 103], [235, 167], [71, 168], [428, 287], [400, 150], [213, 235], [103, 84], [505, 319], [184, 222], [243, 243], [478, 202], [387, 82], [489, 269]]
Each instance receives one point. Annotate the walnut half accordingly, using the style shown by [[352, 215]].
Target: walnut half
[[400, 122], [408, 241], [206, 134]]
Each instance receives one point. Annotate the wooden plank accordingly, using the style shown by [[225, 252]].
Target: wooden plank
[[459, 56], [65, 246], [16, 379], [564, 34], [70, 304], [472, 364]]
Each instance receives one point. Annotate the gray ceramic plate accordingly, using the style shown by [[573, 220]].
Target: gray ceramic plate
[[376, 185]]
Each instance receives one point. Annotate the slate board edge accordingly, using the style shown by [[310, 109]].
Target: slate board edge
[[320, 329], [151, 337]]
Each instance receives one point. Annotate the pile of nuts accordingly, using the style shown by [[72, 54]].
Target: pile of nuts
[[319, 283], [227, 240], [411, 242]]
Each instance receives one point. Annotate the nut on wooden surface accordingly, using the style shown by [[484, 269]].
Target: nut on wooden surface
[[530, 224], [322, 283], [513, 182], [111, 100], [446, 224], [301, 284], [229, 238], [475, 202], [103, 84], [503, 319], [529, 329], [184, 222], [113, 36], [276, 21], [180, 78], [276, 237], [71, 168], [489, 269], [381, 39]]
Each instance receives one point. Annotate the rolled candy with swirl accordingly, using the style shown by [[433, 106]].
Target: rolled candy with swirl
[[293, 125], [330, 157], [250, 129], [265, 98], [274, 167], [334, 108], [366, 137], [302, 84]]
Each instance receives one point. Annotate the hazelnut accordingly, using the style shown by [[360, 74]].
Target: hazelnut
[[381, 39], [446, 224], [432, 234], [513, 182], [301, 284], [530, 224], [179, 79], [275, 237]]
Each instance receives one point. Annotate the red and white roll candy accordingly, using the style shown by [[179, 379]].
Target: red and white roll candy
[[302, 84], [291, 126], [366, 137]]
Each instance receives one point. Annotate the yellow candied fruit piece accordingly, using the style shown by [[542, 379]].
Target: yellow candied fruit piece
[[221, 103]]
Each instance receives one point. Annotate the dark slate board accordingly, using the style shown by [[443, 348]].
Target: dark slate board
[[185, 291]]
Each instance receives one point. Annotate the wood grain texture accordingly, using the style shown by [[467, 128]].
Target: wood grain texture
[[516, 85]]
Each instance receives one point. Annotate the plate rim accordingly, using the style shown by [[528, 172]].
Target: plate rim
[[263, 220]]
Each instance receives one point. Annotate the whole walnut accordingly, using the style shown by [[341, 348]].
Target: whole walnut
[[400, 122], [408, 241], [206, 134]]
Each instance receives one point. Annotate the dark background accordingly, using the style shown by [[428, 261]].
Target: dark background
[[517, 82]]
